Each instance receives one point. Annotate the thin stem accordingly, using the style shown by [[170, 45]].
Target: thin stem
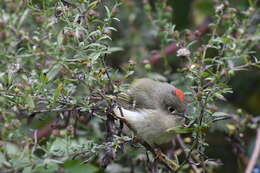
[[107, 74], [255, 154], [182, 145]]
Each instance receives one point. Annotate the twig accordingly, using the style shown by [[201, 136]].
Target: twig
[[169, 49], [173, 47], [183, 147], [107, 74], [162, 158], [35, 140], [32, 115], [195, 143], [255, 154], [202, 104], [45, 131]]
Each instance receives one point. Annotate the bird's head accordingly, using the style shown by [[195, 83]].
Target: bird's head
[[173, 101]]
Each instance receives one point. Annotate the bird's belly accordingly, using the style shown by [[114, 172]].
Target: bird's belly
[[150, 125]]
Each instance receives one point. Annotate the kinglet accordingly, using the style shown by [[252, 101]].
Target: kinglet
[[152, 109]]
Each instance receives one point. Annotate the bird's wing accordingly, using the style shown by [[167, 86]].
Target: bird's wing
[[126, 101]]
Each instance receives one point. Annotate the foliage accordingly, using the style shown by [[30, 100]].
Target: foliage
[[56, 84]]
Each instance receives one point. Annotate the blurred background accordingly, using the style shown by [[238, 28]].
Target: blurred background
[[148, 34]]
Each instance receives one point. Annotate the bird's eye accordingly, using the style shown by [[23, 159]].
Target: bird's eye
[[172, 110]]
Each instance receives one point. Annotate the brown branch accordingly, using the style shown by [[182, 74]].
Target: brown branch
[[162, 158], [45, 131], [173, 47], [32, 115], [183, 147], [168, 50], [255, 153]]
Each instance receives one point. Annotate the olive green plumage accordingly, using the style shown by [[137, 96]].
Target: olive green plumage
[[151, 108], [149, 94]]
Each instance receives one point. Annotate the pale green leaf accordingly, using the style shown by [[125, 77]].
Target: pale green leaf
[[53, 72]]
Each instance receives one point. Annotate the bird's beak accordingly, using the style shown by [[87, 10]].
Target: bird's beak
[[182, 115]]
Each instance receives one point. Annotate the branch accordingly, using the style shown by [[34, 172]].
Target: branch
[[107, 74], [32, 115], [173, 47], [183, 147], [162, 158], [255, 154], [45, 131]]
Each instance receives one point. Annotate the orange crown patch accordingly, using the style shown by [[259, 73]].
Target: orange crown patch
[[179, 93]]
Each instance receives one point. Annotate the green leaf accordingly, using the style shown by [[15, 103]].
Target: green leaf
[[53, 72], [94, 56], [18, 162], [111, 28], [97, 45], [116, 19], [47, 167], [94, 33], [27, 170], [180, 130], [23, 17], [114, 49], [129, 73], [93, 5], [30, 102], [77, 166], [2, 159], [104, 37], [59, 147], [3, 78], [11, 149], [60, 38], [108, 12], [219, 114]]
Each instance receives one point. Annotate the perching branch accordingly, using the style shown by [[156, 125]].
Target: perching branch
[[255, 154], [183, 147]]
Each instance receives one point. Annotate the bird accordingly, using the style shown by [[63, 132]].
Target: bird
[[152, 109]]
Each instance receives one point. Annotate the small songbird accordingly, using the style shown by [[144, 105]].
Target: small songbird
[[153, 109]]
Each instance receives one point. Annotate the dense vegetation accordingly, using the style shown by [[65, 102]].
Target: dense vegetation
[[61, 61]]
